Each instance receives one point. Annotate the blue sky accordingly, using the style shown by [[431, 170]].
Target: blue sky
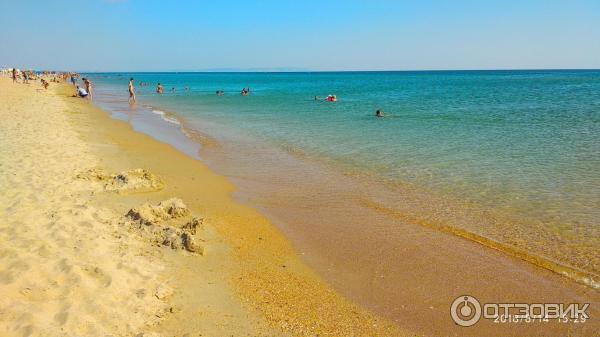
[[136, 35]]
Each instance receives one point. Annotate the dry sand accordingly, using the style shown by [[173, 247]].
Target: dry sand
[[104, 231]]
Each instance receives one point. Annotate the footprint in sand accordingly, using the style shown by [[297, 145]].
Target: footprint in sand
[[97, 274], [62, 316], [8, 253], [6, 277], [63, 266], [140, 293], [27, 331], [43, 251]]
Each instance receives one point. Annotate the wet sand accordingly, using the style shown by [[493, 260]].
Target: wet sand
[[395, 260]]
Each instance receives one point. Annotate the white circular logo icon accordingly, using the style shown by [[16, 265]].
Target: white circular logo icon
[[465, 310]]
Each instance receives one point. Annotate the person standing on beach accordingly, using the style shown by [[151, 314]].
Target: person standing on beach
[[88, 87], [131, 89], [14, 75], [73, 81]]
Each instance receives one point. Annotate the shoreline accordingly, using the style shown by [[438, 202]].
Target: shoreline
[[247, 281], [504, 232], [277, 271], [509, 259], [247, 256]]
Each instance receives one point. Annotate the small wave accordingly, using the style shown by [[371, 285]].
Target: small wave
[[171, 119], [164, 116]]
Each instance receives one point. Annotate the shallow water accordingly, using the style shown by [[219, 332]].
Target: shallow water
[[512, 157]]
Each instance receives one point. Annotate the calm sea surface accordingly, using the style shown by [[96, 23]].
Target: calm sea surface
[[511, 156]]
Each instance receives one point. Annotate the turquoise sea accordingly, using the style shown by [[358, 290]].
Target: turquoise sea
[[511, 156]]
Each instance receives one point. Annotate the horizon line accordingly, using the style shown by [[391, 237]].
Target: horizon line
[[266, 70]]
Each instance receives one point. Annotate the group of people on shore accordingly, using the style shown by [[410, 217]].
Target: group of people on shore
[[23, 75], [84, 92], [45, 77]]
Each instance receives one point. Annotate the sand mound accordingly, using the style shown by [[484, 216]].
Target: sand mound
[[162, 225], [153, 215], [136, 180]]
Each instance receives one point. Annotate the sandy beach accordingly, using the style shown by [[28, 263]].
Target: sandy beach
[[105, 231]]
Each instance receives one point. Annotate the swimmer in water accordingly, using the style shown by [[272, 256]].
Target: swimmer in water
[[378, 113]]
